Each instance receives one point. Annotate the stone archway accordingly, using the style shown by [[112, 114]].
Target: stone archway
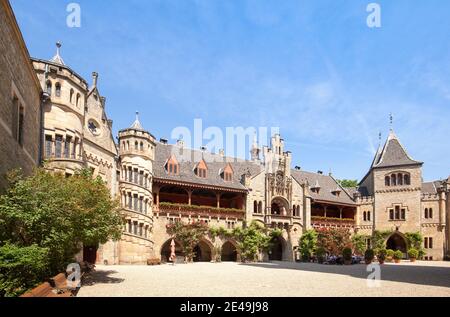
[[229, 252], [280, 206], [397, 242], [203, 252], [278, 249], [166, 251]]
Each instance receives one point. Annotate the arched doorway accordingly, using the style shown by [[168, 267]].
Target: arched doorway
[[90, 254], [396, 242], [229, 252], [166, 251], [203, 252], [280, 206], [276, 252]]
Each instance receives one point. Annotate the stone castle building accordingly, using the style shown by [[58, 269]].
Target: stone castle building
[[160, 183]]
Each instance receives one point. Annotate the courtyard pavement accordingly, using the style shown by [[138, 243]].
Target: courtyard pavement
[[275, 279]]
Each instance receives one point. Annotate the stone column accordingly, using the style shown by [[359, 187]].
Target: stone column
[[218, 200], [189, 197], [340, 212], [442, 207], [325, 211]]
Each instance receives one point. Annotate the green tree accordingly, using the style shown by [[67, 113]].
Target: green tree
[[254, 239], [359, 243], [348, 183], [308, 244], [59, 214], [188, 235]]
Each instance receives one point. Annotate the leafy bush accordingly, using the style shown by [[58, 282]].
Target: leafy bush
[[320, 254], [359, 243], [308, 244], [333, 240], [59, 214], [390, 253], [252, 240], [369, 255], [347, 254], [381, 255], [398, 255], [188, 235], [413, 253], [21, 268]]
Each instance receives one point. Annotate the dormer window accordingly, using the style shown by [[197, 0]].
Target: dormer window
[[227, 173], [336, 192], [201, 169], [316, 187], [172, 166]]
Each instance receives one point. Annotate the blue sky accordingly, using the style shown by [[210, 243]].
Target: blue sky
[[313, 68]]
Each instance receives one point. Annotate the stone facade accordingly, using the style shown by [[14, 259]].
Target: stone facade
[[20, 100], [158, 183]]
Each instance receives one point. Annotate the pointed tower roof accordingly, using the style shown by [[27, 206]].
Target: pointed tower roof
[[57, 58], [137, 124], [393, 154]]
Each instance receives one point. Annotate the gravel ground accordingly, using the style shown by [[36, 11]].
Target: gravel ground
[[267, 280]]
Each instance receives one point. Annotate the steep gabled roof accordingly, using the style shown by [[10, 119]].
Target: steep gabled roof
[[393, 154]]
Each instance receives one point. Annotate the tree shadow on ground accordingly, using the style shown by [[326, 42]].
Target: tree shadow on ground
[[101, 277], [414, 274]]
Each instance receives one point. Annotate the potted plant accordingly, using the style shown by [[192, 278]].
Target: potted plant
[[389, 255], [381, 255], [347, 255], [398, 256], [413, 254], [369, 255], [320, 254]]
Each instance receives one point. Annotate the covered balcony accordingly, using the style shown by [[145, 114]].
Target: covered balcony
[[327, 215], [187, 200]]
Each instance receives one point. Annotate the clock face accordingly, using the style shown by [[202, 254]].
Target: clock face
[[93, 127]]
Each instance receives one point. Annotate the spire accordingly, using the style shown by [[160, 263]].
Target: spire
[[137, 124], [393, 154], [57, 58], [255, 149]]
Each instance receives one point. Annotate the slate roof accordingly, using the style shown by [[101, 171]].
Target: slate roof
[[188, 160], [393, 154], [327, 185], [431, 187]]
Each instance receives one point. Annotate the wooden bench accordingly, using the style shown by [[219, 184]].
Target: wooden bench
[[45, 290], [153, 262], [59, 282]]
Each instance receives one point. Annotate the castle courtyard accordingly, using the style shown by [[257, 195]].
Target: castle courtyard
[[275, 279]]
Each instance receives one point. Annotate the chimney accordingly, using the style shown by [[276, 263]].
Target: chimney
[[94, 79], [163, 141], [320, 172], [222, 152], [203, 148], [298, 168], [180, 143]]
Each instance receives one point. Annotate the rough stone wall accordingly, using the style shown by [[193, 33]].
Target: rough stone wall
[[17, 79]]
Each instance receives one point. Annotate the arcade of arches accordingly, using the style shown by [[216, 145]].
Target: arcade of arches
[[204, 252]]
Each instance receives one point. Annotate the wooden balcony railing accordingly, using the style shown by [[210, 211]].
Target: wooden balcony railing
[[332, 222], [193, 210]]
